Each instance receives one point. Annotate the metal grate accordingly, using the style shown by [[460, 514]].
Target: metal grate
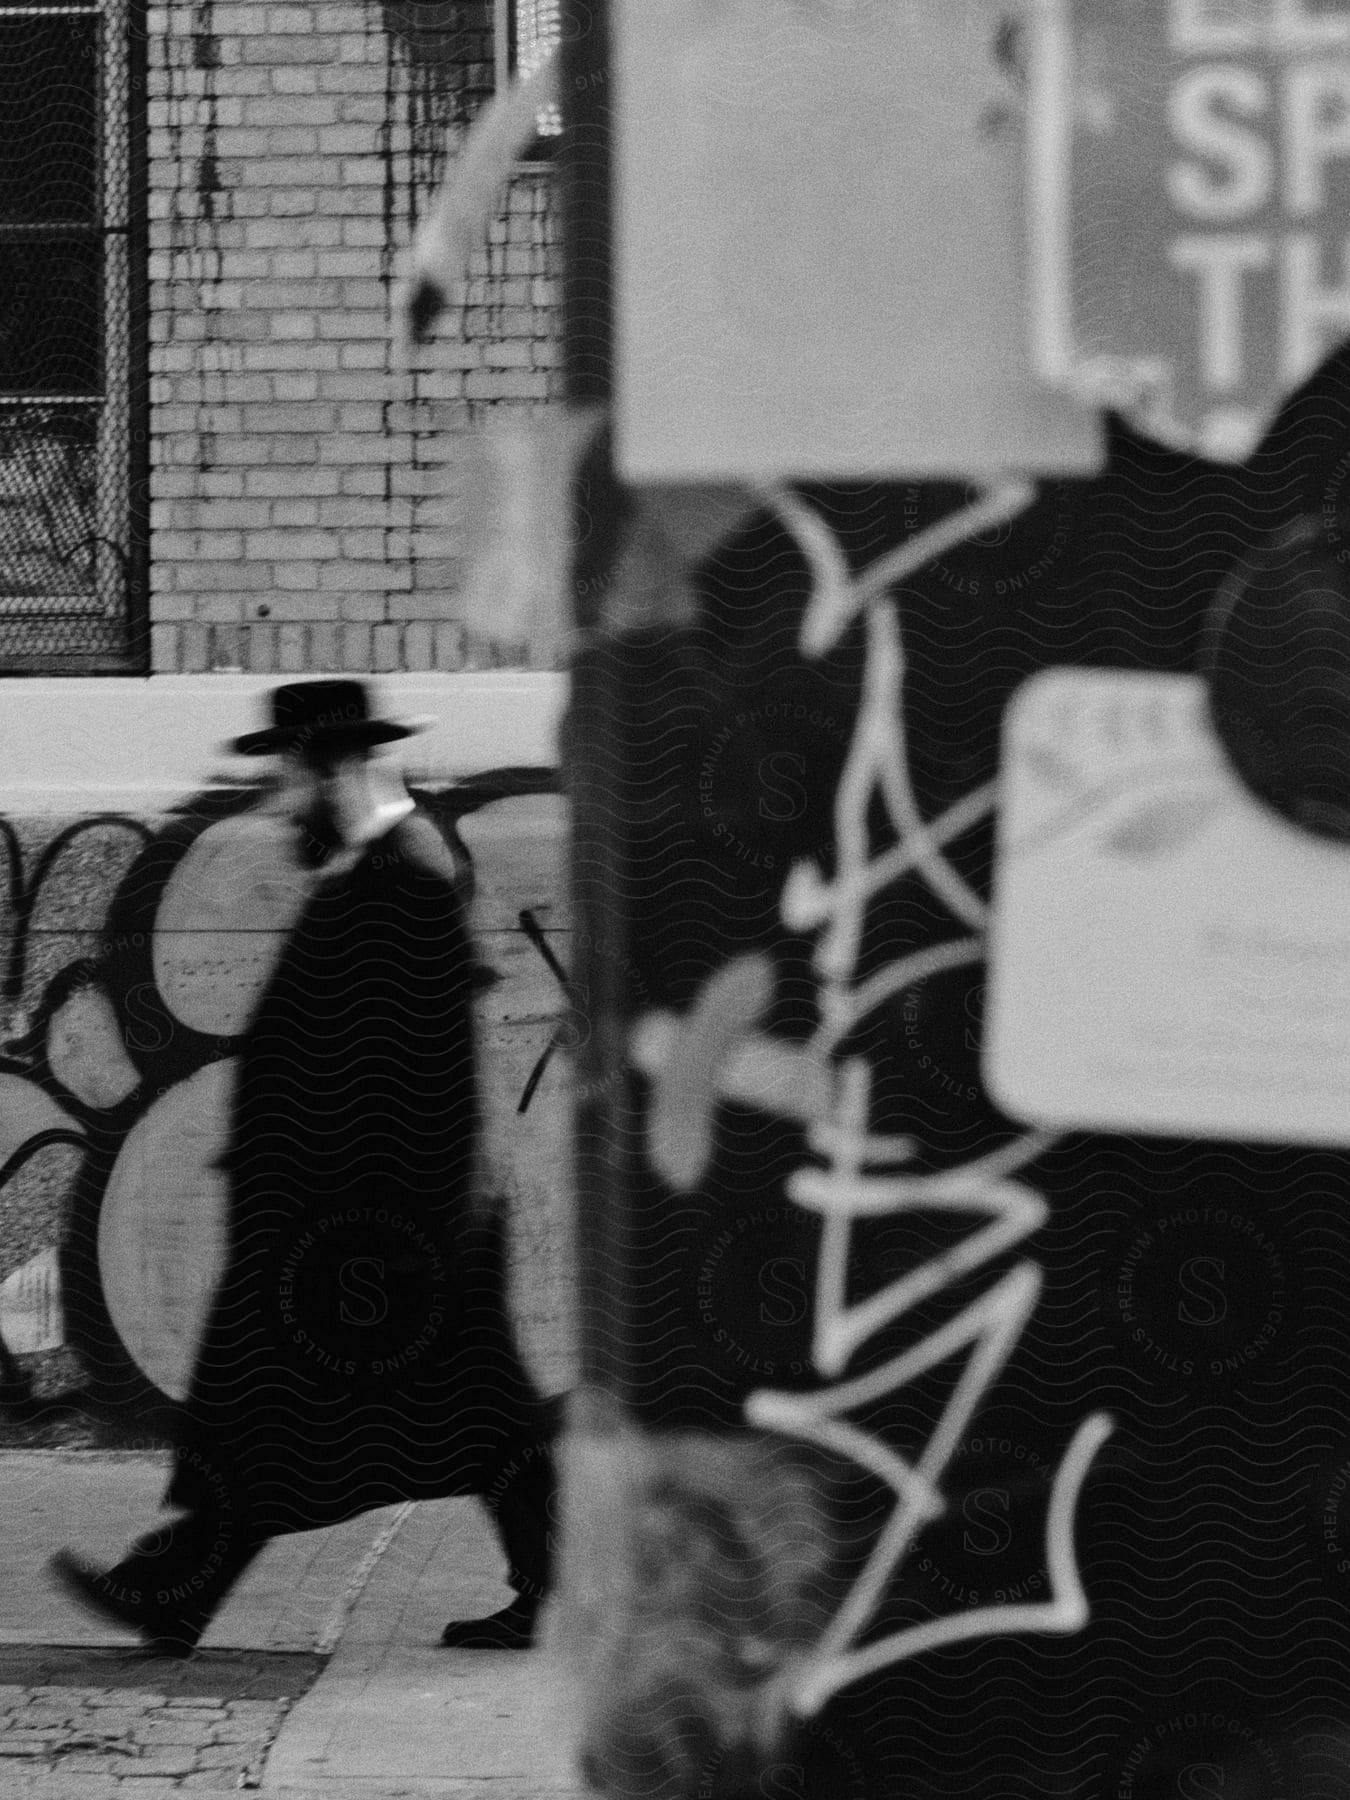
[[68, 537], [461, 52], [538, 27]]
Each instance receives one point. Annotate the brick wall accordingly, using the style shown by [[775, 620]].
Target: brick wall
[[304, 476]]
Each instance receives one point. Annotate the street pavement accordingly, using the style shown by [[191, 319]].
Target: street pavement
[[321, 1679]]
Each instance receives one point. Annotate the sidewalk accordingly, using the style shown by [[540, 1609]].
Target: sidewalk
[[321, 1679]]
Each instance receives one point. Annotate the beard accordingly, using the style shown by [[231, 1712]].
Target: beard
[[318, 833]]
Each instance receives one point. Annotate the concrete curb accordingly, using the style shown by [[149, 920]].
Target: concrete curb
[[394, 1714]]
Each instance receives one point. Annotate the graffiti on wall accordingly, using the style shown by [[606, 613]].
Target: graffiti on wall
[[136, 953]]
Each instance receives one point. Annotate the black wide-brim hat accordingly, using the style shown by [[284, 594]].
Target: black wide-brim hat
[[323, 715]]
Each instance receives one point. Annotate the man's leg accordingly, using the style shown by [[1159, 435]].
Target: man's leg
[[518, 1431], [525, 1516], [521, 1498], [174, 1578], [168, 1586]]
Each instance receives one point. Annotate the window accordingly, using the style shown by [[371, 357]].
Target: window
[[462, 51], [70, 542], [525, 32]]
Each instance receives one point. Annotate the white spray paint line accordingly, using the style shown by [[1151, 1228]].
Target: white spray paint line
[[989, 1328]]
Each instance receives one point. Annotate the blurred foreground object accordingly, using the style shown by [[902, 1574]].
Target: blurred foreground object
[[1085, 1391], [516, 493], [516, 509], [458, 219], [818, 262], [698, 1571]]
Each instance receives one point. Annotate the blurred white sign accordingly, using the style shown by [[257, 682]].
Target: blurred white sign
[[1166, 955], [819, 257]]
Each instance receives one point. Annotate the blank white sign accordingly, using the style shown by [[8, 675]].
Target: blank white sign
[[819, 253]]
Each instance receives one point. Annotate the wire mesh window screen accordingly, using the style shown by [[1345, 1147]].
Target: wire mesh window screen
[[538, 25], [65, 337], [467, 49]]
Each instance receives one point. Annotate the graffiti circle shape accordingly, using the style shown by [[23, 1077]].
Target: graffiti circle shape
[[223, 920], [162, 1227], [86, 1051]]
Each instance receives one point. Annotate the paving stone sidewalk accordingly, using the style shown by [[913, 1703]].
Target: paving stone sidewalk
[[325, 1679], [113, 1725]]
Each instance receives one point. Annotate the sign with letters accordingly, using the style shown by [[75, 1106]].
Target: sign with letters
[[1190, 206]]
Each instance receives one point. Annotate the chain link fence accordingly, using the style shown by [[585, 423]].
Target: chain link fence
[[69, 499]]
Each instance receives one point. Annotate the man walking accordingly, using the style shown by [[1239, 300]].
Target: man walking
[[359, 1350]]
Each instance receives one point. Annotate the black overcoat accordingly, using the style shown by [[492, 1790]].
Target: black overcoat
[[358, 1351]]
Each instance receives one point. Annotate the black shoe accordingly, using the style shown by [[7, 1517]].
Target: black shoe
[[510, 1629], [82, 1582]]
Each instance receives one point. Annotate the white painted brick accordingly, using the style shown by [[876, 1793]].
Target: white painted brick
[[324, 651], [291, 481], [294, 604], [301, 384], [291, 111], [294, 263], [355, 649], [294, 80], [419, 646], [193, 648], [450, 646], [273, 50], [261, 649], [300, 513], [350, 75], [345, 512], [224, 605], [370, 607], [291, 545], [297, 355], [226, 484], [363, 231], [292, 648], [355, 578], [236, 20], [227, 648], [298, 577], [290, 18], [284, 429], [298, 448], [200, 577], [293, 325], [366, 480], [358, 417], [386, 647], [220, 546], [367, 355], [164, 649], [347, 262]]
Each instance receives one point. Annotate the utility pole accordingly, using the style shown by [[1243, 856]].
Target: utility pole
[[955, 577]]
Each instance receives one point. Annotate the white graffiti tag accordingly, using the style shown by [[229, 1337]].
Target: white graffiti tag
[[860, 1173]]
